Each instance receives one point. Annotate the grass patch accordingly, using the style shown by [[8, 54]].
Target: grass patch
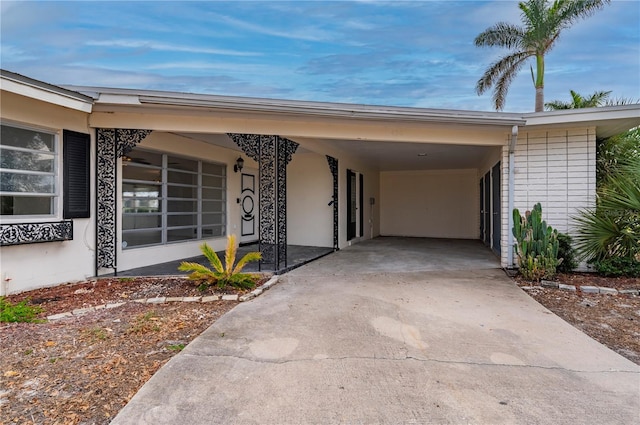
[[175, 347], [20, 312]]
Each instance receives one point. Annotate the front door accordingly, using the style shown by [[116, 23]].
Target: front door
[[248, 208]]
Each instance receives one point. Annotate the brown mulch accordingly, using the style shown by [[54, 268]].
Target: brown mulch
[[613, 320], [83, 370]]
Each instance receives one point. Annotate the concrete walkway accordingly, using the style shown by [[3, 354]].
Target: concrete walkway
[[354, 338]]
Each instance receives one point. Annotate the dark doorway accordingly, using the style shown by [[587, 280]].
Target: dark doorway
[[352, 205], [360, 204], [486, 212], [482, 207], [495, 207]]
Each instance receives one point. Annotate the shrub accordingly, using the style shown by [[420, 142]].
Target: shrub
[[537, 244], [229, 274], [609, 234], [20, 312], [618, 266], [566, 253]]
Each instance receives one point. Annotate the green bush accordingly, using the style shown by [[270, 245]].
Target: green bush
[[618, 266], [222, 275], [567, 253], [20, 312], [537, 244]]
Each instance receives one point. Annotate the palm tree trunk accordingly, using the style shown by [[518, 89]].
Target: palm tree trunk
[[539, 99], [539, 83]]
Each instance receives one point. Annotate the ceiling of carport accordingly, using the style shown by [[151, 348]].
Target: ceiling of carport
[[387, 156]]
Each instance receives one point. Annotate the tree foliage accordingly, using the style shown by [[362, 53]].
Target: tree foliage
[[542, 23]]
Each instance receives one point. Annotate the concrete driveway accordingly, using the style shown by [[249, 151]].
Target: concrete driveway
[[357, 338]]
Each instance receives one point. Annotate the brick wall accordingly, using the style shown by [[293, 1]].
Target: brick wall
[[556, 168]]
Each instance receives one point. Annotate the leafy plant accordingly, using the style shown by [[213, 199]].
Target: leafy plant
[[567, 253], [223, 275], [537, 244], [612, 228], [20, 312], [618, 266]]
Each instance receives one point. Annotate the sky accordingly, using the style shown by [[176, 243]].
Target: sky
[[394, 53]]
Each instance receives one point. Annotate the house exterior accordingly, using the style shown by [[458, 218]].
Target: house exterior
[[100, 180]]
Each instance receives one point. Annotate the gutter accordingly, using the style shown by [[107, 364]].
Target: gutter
[[511, 190]]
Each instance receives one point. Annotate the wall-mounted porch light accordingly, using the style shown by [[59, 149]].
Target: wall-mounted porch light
[[238, 165]]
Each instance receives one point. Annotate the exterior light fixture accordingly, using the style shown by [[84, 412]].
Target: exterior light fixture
[[238, 165]]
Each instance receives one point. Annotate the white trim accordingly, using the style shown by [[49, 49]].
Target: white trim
[[45, 94]]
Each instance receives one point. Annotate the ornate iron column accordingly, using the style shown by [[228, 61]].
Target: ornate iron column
[[112, 143], [272, 153], [333, 166]]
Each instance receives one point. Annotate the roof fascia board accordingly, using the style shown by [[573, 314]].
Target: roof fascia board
[[331, 110], [172, 100], [583, 116], [38, 90]]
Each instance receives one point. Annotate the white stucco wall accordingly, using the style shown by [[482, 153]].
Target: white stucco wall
[[436, 204], [557, 168], [371, 177], [31, 266], [309, 190], [171, 143]]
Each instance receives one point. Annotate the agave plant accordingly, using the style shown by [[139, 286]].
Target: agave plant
[[222, 275]]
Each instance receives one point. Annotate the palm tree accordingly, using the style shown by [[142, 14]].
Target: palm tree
[[542, 23], [598, 98]]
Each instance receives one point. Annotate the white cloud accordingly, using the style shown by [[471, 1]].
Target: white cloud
[[153, 45]]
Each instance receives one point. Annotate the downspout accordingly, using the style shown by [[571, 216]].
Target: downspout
[[511, 190]]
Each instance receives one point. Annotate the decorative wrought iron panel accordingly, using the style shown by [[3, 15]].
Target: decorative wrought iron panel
[[112, 144], [26, 233], [333, 166], [272, 153]]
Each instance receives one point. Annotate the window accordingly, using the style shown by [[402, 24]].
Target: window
[[28, 172], [168, 198]]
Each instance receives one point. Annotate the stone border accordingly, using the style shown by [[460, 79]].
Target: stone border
[[584, 288], [163, 300]]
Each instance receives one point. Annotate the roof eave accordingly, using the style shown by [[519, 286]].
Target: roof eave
[[25, 86]]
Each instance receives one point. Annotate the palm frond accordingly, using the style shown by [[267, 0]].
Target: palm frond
[[570, 11], [230, 254], [504, 81], [198, 271], [494, 72], [212, 256], [596, 235], [248, 258], [501, 34]]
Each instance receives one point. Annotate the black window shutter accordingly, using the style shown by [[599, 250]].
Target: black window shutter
[[76, 163]]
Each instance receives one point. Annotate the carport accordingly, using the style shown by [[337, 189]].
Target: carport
[[324, 175]]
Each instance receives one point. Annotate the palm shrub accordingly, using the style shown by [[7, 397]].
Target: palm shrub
[[537, 244], [222, 275], [609, 234]]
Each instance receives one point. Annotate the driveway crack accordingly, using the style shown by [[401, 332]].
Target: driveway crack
[[410, 358]]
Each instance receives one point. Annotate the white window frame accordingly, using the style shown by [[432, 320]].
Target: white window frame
[[164, 201], [57, 177]]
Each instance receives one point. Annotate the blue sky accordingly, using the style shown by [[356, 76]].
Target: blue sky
[[415, 53]]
